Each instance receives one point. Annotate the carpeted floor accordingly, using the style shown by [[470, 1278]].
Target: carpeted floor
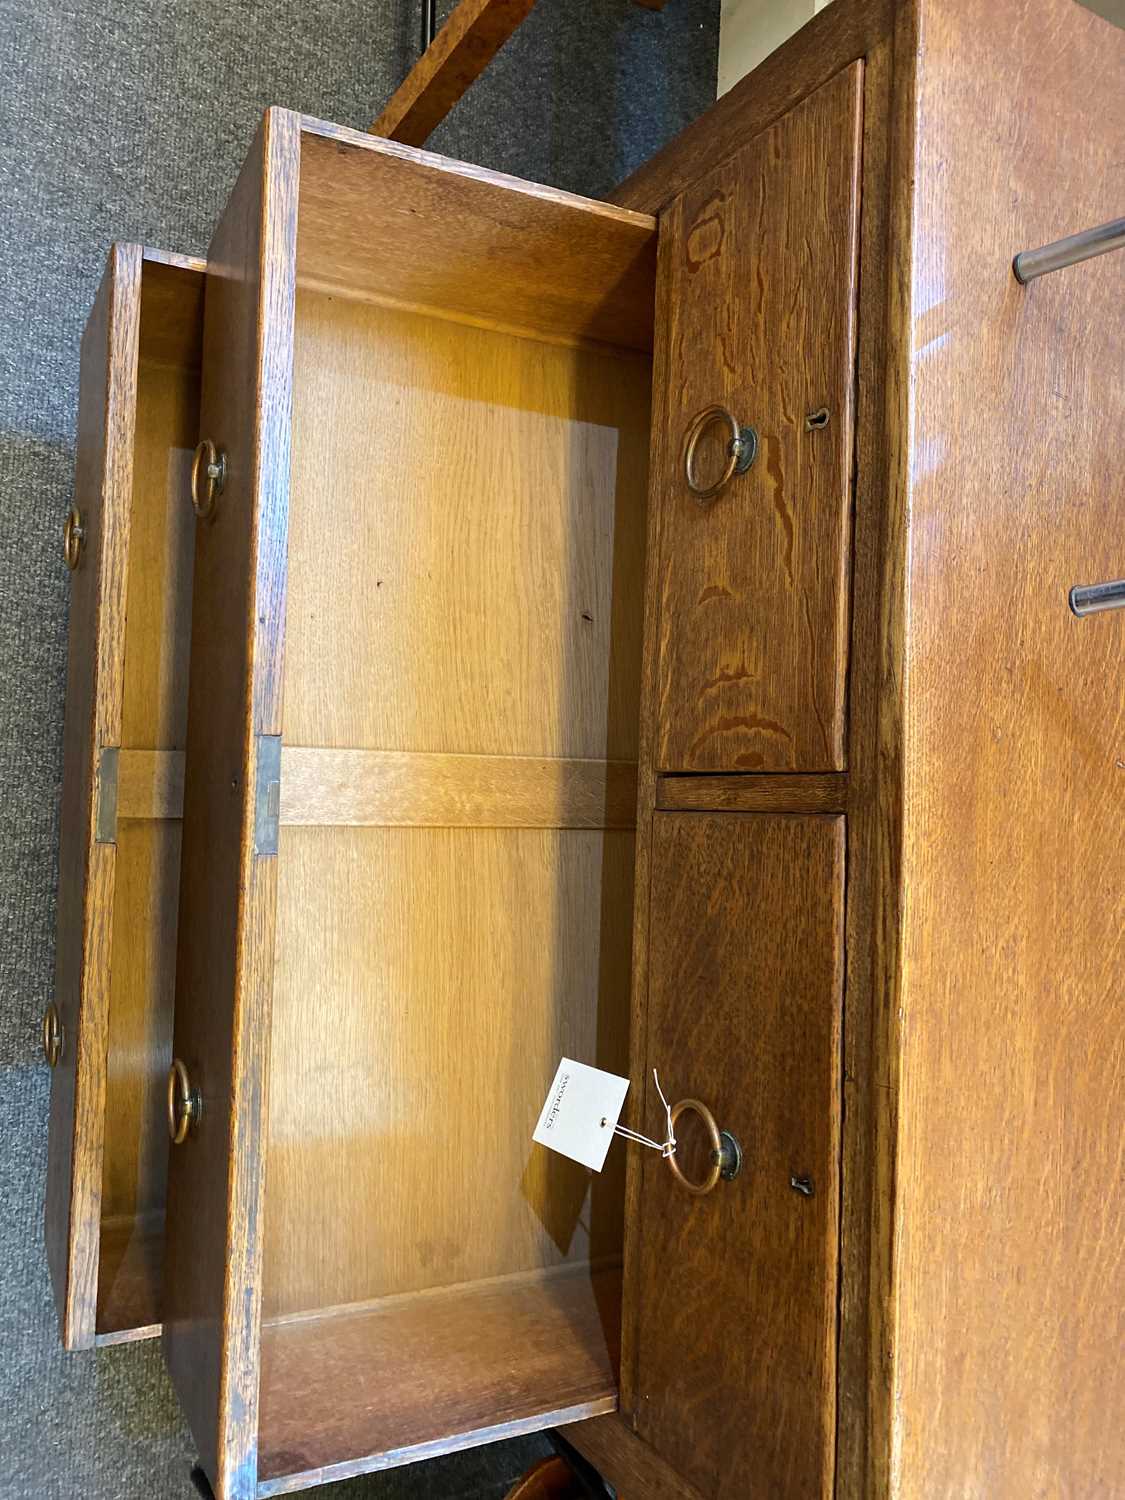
[[128, 121]]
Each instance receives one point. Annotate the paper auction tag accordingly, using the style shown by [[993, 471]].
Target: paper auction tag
[[581, 1112]]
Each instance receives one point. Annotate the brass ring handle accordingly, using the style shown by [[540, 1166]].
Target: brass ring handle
[[208, 476], [726, 1153], [73, 537], [184, 1104], [741, 450], [52, 1035]]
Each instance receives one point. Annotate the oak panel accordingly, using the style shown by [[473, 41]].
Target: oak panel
[[130, 1275], [224, 959], [139, 1049], [875, 768], [103, 489], [1011, 1240], [736, 1338], [761, 297], [824, 793], [623, 1460], [557, 266], [466, 539], [161, 544], [399, 788], [126, 681], [486, 1361], [427, 983], [172, 309]]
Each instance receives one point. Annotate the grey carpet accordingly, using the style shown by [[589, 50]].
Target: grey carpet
[[128, 120]]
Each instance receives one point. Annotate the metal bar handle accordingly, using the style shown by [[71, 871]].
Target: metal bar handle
[[1092, 598], [1068, 252]]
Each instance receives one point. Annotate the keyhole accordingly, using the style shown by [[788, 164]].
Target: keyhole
[[816, 419]]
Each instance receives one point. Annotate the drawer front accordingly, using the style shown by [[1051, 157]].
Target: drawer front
[[758, 296], [736, 1303], [118, 867], [224, 955], [79, 1017]]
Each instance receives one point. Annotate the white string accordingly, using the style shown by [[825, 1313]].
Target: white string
[[668, 1146]]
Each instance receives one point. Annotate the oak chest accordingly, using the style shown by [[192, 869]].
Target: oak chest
[[634, 632]]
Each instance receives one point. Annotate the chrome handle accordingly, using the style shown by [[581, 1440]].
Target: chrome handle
[[741, 450], [1069, 251], [1092, 598]]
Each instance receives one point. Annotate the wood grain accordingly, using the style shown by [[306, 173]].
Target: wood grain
[[130, 1273], [172, 309], [646, 802], [126, 680], [755, 597], [559, 267], [487, 585], [150, 784], [838, 35], [139, 1031], [224, 953], [414, 942], [464, 46], [428, 982], [623, 1460], [825, 793], [392, 788], [154, 713], [161, 537], [876, 759], [486, 1362], [396, 788], [103, 491], [1011, 1223], [736, 1345]]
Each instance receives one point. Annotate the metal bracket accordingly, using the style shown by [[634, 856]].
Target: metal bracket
[[105, 793], [267, 804]]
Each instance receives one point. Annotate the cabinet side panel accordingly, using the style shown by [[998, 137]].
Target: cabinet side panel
[[1011, 1217], [227, 890], [103, 484]]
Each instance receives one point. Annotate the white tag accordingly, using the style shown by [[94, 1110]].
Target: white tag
[[581, 1112]]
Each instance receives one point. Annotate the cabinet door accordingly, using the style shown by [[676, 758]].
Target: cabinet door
[[735, 1331], [758, 296]]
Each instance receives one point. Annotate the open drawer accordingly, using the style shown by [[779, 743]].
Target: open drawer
[[108, 1030], [406, 881]]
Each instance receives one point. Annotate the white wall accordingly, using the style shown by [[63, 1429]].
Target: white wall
[[751, 29]]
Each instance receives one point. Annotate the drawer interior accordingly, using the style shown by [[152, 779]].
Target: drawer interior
[[454, 889], [154, 715]]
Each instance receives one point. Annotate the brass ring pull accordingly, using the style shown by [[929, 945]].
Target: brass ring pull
[[741, 450], [726, 1153], [73, 537], [52, 1034], [184, 1104], [208, 476]]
